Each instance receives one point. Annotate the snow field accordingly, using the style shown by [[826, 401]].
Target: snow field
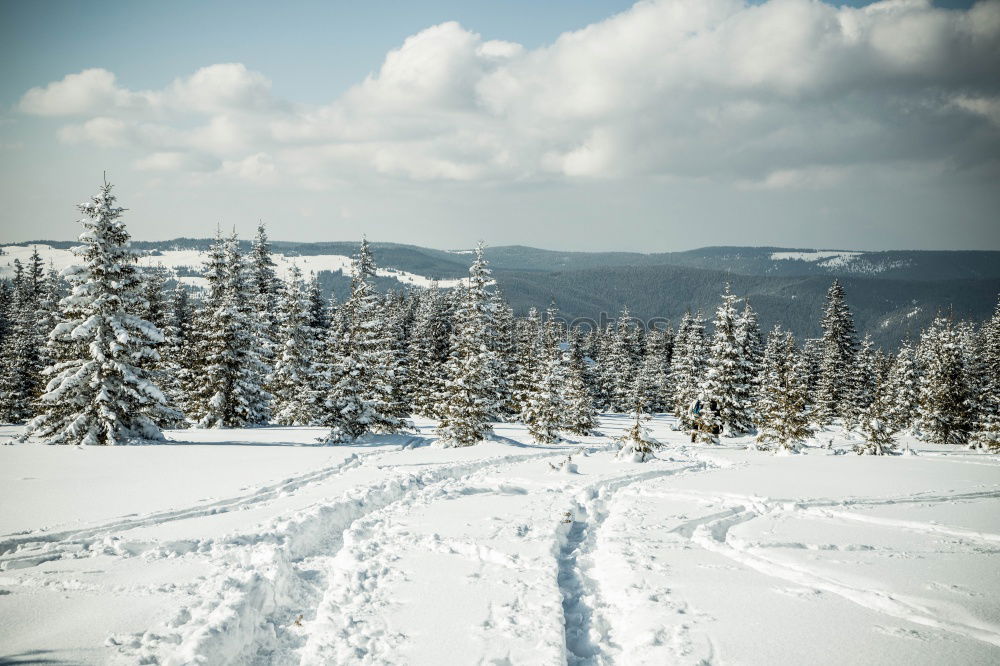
[[173, 260], [395, 552]]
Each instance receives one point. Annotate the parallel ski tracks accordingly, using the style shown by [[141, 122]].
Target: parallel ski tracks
[[587, 639], [293, 557], [21, 550]]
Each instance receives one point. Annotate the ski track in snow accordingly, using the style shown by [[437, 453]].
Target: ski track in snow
[[20, 551], [713, 533], [587, 629], [273, 602]]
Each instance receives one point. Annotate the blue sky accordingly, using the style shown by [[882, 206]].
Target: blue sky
[[671, 125]]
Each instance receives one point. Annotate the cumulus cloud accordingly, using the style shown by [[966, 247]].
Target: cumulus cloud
[[784, 94], [90, 91]]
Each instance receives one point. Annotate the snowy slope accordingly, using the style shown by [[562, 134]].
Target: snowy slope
[[181, 262], [845, 262], [254, 547]]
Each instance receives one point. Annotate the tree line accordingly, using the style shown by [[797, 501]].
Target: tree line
[[104, 353]]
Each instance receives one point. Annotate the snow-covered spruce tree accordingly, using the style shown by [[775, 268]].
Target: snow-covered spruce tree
[[590, 350], [163, 372], [53, 291], [194, 394], [360, 365], [18, 354], [470, 396], [782, 420], [504, 342], [812, 356], [99, 391], [943, 401], [178, 353], [651, 388], [752, 344], [579, 413], [988, 424], [153, 290], [393, 325], [230, 390], [687, 367], [319, 330], [864, 376], [291, 381], [6, 313], [527, 345], [264, 285], [727, 379], [319, 315], [428, 351], [21, 371], [618, 364], [833, 390], [901, 388], [544, 411], [636, 443], [876, 426]]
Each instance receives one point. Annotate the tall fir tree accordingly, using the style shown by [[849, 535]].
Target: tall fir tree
[[544, 411], [579, 412], [471, 396], [988, 422], [618, 366], [53, 291], [901, 388], [651, 388], [504, 344], [812, 356], [6, 319], [863, 378], [782, 420], [943, 399], [291, 382], [751, 342], [834, 389], [21, 370], [319, 314], [264, 286], [99, 391], [393, 331], [875, 424], [727, 381], [428, 351], [527, 345], [687, 367], [156, 310], [360, 394], [229, 384], [179, 353], [154, 291]]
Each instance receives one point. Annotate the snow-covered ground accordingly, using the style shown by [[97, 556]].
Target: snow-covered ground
[[254, 546]]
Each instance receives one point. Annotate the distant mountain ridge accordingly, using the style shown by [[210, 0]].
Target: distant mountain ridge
[[893, 293]]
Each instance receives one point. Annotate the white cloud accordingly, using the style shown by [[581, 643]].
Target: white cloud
[[174, 161], [224, 87], [90, 91], [798, 179], [987, 107], [258, 168], [784, 94], [100, 131]]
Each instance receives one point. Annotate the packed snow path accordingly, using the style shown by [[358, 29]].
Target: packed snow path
[[255, 547]]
